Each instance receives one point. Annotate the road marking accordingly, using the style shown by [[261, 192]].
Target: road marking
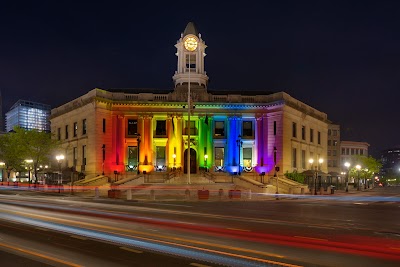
[[131, 250], [40, 255], [237, 229], [199, 265], [78, 237], [312, 238]]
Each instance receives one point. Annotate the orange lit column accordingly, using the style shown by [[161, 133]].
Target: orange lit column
[[147, 138]]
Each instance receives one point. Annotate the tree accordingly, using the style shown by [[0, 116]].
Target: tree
[[11, 153], [36, 145], [369, 166]]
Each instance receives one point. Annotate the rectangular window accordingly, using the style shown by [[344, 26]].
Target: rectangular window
[[247, 129], [66, 131], [335, 132], [343, 151], [247, 156], [361, 151], [312, 135], [75, 129], [75, 156], [160, 156], [219, 130], [294, 130], [84, 155], [319, 138], [219, 156], [335, 143], [84, 126], [132, 127], [59, 133], [274, 127], [161, 128], [303, 159], [329, 153], [334, 153], [347, 151], [303, 132], [104, 125], [132, 156], [334, 163], [294, 158], [329, 163]]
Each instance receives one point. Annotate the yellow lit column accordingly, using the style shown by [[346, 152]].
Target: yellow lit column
[[179, 141]]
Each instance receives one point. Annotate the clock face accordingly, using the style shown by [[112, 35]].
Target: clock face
[[190, 43]]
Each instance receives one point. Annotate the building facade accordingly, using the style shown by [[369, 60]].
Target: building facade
[[28, 115], [350, 150], [334, 162], [189, 127]]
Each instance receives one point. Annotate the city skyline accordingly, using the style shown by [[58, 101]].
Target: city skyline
[[339, 59]]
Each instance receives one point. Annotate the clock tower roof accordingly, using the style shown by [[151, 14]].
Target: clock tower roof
[[191, 29]]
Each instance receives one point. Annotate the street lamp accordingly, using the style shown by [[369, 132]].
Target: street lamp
[[358, 167], [59, 159], [205, 161], [316, 167], [347, 165], [239, 143], [138, 139], [29, 162], [174, 157]]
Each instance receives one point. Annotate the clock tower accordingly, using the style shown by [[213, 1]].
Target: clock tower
[[190, 52]]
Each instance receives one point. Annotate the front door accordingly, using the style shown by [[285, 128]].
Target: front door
[[193, 161]]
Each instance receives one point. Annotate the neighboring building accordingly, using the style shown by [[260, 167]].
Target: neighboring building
[[334, 149], [1, 114], [28, 115], [116, 130], [390, 159], [350, 150]]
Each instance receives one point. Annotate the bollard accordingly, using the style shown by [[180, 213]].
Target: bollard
[[221, 193], [152, 194], [129, 194], [187, 194]]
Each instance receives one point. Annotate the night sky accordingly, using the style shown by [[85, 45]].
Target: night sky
[[341, 57]]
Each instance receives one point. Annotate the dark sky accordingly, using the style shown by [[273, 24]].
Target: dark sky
[[341, 57]]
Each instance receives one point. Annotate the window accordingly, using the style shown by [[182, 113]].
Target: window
[[294, 158], [84, 126], [311, 155], [104, 125], [132, 127], [75, 129], [219, 156], [247, 156], [303, 132], [334, 163], [66, 131], [319, 138], [343, 151], [347, 151], [329, 132], [335, 143], [361, 151], [132, 156], [192, 127], [160, 155], [329, 163], [219, 130], [274, 127], [334, 153], [59, 133], [329, 142], [303, 159], [190, 62], [329, 153], [247, 129], [294, 130], [84, 155], [352, 151], [311, 135], [161, 128], [335, 132]]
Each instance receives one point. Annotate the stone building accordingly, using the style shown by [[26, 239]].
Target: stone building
[[143, 130]]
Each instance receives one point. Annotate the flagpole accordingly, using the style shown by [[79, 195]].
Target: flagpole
[[188, 150]]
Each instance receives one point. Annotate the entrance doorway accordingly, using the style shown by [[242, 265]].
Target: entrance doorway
[[193, 161]]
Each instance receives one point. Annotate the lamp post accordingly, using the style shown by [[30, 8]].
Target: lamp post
[[347, 165], [205, 161], [239, 143], [320, 161], [59, 159], [29, 162], [138, 139], [174, 157], [316, 167], [358, 167], [276, 169]]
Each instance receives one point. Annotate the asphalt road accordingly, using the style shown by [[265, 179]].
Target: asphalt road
[[357, 230]]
